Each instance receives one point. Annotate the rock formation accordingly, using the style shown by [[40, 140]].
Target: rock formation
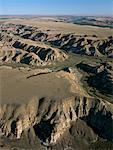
[[83, 117], [101, 76], [27, 52], [86, 45]]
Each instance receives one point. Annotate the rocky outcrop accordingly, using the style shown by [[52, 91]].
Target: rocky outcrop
[[100, 76], [84, 45], [89, 45], [32, 54], [76, 121], [50, 119]]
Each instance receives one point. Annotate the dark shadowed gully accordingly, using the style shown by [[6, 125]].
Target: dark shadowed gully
[[56, 83]]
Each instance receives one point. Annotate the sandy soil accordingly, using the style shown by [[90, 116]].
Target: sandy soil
[[60, 27], [16, 88]]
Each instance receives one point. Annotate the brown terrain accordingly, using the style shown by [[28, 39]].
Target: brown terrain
[[56, 85]]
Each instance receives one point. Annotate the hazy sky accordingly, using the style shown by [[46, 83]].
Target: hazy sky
[[57, 7]]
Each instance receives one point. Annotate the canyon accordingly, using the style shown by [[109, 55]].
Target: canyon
[[56, 85]]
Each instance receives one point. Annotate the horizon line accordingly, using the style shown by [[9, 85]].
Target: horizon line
[[105, 15]]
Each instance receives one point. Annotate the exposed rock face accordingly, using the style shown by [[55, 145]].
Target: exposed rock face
[[85, 45], [51, 119], [26, 52], [79, 118], [74, 77], [101, 76]]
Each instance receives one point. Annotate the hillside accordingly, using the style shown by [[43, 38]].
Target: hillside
[[56, 85]]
